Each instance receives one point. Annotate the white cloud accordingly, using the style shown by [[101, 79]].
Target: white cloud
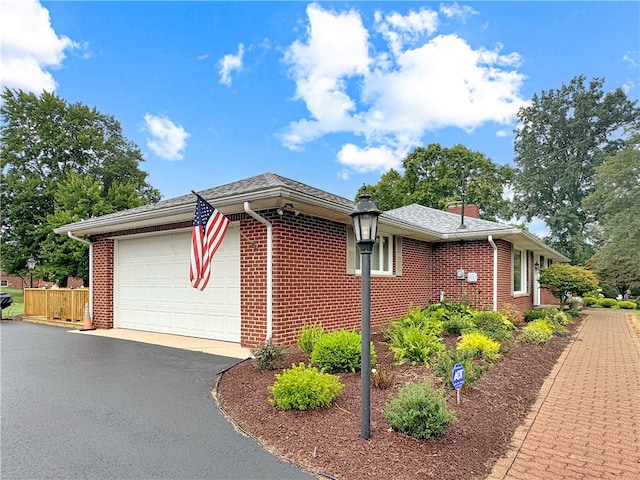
[[229, 64], [392, 98], [166, 139], [628, 86], [30, 46], [630, 58], [455, 10], [369, 159], [204, 56], [400, 30]]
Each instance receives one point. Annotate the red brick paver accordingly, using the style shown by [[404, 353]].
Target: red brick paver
[[586, 421]]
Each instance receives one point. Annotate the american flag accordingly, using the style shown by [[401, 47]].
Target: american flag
[[209, 227]]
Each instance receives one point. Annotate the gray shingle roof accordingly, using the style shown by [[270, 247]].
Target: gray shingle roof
[[441, 221]]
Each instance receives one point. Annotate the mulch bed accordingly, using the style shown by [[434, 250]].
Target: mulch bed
[[328, 443]]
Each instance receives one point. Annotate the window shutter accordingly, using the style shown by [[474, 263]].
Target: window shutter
[[351, 251], [398, 253]]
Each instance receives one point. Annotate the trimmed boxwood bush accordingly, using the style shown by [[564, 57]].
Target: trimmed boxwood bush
[[627, 304], [607, 302], [420, 411], [339, 352], [304, 388], [588, 301]]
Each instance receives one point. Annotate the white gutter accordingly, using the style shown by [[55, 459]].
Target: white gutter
[[247, 208], [495, 273], [87, 242]]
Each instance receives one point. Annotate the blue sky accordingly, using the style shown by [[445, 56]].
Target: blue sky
[[332, 94]]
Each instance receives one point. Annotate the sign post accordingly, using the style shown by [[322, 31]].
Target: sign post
[[457, 379]]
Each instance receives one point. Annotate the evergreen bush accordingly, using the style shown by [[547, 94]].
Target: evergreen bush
[[304, 388], [608, 302], [627, 304], [419, 411], [339, 352], [494, 325], [537, 332]]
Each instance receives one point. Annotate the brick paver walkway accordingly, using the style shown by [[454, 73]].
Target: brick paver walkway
[[586, 421]]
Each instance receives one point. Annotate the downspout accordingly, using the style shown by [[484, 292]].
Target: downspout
[[495, 273], [87, 242], [247, 208]]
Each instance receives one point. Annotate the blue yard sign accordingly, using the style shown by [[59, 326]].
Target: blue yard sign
[[457, 378]]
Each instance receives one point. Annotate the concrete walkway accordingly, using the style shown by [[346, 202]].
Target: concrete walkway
[[586, 421]]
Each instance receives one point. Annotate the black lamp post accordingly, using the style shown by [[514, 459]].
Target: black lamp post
[[365, 228], [31, 264]]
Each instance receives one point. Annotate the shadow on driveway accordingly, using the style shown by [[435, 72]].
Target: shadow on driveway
[[81, 406]]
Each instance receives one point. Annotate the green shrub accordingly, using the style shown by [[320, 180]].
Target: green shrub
[[456, 323], [426, 320], [627, 304], [531, 315], [412, 344], [419, 411], [339, 352], [494, 325], [308, 336], [560, 278], [607, 302], [478, 345], [268, 355], [588, 301], [304, 388], [473, 370], [561, 318], [536, 332]]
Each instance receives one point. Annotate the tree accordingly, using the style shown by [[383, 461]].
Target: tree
[[565, 134], [60, 163], [432, 177], [615, 202], [561, 278]]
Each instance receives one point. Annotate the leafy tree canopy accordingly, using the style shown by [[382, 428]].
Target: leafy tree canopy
[[565, 134], [562, 277], [60, 163], [432, 177], [615, 202]]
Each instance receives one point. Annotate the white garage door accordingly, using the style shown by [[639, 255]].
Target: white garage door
[[152, 291]]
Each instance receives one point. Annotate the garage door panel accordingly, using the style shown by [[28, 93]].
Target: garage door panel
[[153, 291]]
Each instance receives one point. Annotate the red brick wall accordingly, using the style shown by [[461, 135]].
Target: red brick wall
[[475, 256], [310, 280], [311, 283], [16, 281], [102, 283]]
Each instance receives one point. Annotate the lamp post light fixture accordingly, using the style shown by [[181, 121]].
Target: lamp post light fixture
[[31, 264], [365, 228]]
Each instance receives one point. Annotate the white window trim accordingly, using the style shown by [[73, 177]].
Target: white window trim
[[381, 260], [523, 271]]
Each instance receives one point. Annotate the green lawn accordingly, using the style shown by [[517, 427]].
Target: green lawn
[[17, 307]]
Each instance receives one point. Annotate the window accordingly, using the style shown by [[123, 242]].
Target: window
[[4, 283], [519, 262], [385, 257], [381, 259]]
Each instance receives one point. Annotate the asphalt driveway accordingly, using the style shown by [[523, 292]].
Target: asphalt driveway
[[82, 406]]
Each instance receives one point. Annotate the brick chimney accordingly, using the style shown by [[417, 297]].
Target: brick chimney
[[470, 210]]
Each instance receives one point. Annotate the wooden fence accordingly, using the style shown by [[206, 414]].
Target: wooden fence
[[65, 304]]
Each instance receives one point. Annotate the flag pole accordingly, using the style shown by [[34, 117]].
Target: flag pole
[[230, 222]]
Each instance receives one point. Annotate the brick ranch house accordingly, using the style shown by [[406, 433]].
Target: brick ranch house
[[291, 259]]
